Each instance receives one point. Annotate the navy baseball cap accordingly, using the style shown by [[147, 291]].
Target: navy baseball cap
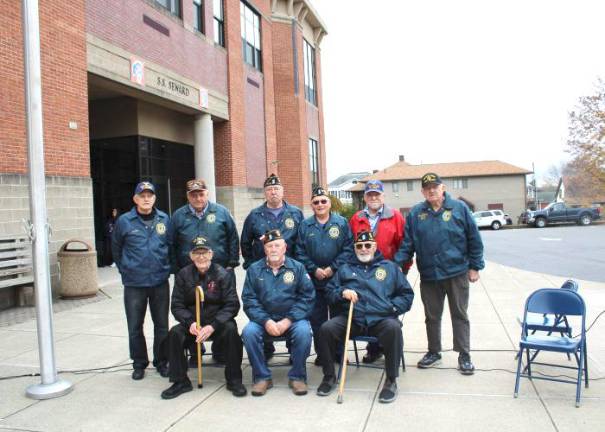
[[430, 178], [374, 186], [144, 186], [200, 243], [365, 236], [271, 235]]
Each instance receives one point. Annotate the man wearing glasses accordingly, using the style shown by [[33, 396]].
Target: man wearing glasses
[[442, 233], [387, 225], [218, 311], [380, 292], [324, 244]]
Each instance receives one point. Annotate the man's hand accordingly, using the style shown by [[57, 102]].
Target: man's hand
[[328, 272], [473, 275], [284, 325], [350, 295], [272, 328], [205, 333], [193, 329], [320, 274]]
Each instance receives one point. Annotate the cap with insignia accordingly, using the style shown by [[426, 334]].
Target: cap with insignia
[[200, 243], [318, 191], [272, 180], [272, 235], [430, 178], [144, 186], [374, 186], [196, 185], [364, 236]]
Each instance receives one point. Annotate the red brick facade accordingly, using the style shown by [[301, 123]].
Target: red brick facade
[[267, 127], [64, 89]]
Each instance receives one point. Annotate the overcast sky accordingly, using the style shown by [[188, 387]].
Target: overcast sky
[[450, 81]]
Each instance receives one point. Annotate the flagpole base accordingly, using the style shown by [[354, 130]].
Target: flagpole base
[[49, 391]]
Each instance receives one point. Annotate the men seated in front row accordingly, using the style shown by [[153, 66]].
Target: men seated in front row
[[218, 310], [380, 293], [278, 297]]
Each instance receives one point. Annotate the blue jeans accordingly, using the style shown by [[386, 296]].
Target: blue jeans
[[135, 303], [299, 340]]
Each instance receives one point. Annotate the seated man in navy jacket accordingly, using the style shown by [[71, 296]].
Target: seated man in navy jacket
[[278, 297], [380, 293]]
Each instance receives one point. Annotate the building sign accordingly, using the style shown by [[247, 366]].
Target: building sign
[[173, 87], [137, 71], [204, 100]]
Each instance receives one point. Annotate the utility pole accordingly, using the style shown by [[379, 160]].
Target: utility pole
[[51, 386]]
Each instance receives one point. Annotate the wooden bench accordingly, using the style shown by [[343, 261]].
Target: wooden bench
[[15, 261]]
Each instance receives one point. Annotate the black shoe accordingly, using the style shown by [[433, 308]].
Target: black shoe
[[430, 359], [326, 387], [317, 361], [237, 389], [163, 370], [371, 357], [465, 365], [177, 389], [138, 374], [389, 392]]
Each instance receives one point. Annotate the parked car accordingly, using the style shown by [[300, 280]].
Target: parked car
[[558, 213], [495, 219]]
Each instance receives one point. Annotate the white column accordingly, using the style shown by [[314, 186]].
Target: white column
[[203, 137]]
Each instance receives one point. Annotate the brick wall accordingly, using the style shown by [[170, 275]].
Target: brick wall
[[64, 89], [184, 51], [254, 127]]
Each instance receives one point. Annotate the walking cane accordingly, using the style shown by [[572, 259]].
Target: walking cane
[[343, 375], [199, 297]]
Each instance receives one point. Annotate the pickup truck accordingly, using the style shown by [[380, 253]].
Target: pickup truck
[[558, 212]]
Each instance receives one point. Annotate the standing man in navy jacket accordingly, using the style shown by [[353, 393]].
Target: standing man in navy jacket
[[324, 244], [141, 251], [449, 254], [278, 298], [380, 293]]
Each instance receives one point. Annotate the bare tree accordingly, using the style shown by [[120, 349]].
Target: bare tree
[[585, 176]]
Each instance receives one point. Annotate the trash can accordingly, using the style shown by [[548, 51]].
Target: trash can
[[78, 270]]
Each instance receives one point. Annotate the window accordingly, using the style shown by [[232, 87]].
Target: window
[[410, 184], [219, 23], [460, 183], [309, 66], [395, 186], [250, 22], [198, 16], [172, 6], [314, 162]]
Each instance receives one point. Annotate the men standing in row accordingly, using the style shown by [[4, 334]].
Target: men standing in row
[[140, 248], [387, 225], [442, 233], [380, 293], [324, 244], [278, 297], [218, 311]]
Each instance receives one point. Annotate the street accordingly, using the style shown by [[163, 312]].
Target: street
[[569, 251]]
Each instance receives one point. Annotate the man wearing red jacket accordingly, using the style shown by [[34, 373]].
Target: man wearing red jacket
[[387, 224]]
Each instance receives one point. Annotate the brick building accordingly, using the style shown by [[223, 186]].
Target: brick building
[[162, 90]]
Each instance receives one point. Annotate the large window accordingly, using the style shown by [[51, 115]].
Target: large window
[[172, 6], [309, 63], [460, 183], [250, 22], [198, 15], [410, 185], [314, 162], [219, 22]]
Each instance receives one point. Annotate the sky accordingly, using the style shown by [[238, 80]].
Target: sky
[[452, 81]]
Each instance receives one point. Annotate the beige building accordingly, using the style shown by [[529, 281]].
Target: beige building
[[484, 185]]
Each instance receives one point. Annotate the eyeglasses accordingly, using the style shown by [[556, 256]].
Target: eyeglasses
[[201, 253], [360, 246], [320, 201]]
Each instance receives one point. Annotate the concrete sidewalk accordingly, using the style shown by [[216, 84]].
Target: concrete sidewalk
[[94, 335]]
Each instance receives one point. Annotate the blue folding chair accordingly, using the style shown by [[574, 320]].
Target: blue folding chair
[[553, 301], [553, 323]]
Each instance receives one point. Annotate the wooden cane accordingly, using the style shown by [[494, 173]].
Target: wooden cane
[[199, 298], [343, 375]]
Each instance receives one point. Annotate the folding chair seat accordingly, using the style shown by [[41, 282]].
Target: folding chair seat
[[561, 302]]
